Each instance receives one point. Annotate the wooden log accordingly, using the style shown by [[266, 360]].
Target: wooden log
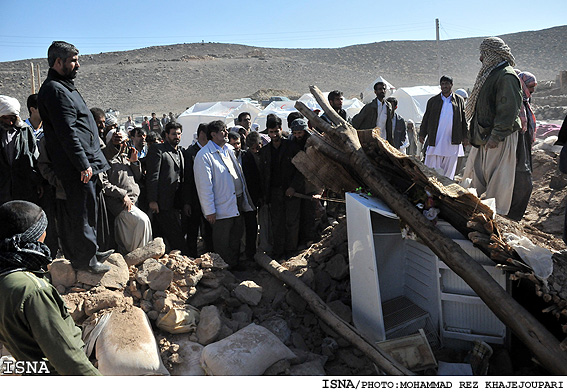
[[528, 329], [379, 357]]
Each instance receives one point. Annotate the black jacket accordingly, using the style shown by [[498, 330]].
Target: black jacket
[[164, 177], [252, 176], [19, 180], [290, 176], [190, 195], [71, 134]]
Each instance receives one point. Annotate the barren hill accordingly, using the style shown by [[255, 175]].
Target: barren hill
[[171, 78]]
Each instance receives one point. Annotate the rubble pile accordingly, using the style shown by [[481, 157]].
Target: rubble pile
[[193, 303]]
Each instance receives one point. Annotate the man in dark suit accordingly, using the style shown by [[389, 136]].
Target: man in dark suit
[[398, 126], [193, 218], [73, 144], [164, 180], [280, 181]]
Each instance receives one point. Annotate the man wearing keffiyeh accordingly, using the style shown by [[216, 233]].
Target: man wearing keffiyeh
[[493, 112], [34, 322]]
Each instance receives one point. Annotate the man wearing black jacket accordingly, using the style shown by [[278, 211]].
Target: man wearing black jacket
[[73, 144], [280, 181]]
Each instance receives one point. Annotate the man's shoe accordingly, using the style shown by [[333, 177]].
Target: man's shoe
[[101, 256], [97, 267]]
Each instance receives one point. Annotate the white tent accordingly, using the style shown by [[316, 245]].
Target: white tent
[[205, 112], [412, 101], [368, 93], [283, 108]]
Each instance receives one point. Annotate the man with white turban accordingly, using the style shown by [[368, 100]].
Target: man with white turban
[[492, 109], [19, 178]]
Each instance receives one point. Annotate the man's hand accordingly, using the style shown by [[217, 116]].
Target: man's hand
[[133, 155], [86, 175], [465, 142], [492, 142], [154, 207], [289, 192], [127, 203], [212, 218], [187, 210], [117, 138], [421, 139]]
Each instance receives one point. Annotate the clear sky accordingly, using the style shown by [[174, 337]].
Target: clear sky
[[29, 26]]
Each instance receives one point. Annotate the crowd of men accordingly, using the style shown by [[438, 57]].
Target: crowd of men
[[102, 188]]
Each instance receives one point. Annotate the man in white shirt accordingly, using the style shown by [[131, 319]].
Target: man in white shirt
[[222, 192], [445, 126]]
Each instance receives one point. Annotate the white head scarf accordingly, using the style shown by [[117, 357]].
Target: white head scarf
[[9, 106]]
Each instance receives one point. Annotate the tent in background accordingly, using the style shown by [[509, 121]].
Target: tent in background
[[412, 101], [368, 93], [205, 112], [283, 108]]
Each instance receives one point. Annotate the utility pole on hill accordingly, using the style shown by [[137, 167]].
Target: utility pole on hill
[[438, 54]]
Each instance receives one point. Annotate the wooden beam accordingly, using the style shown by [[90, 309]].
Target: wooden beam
[[386, 363], [528, 329]]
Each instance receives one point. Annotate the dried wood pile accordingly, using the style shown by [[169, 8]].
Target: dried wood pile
[[342, 158]]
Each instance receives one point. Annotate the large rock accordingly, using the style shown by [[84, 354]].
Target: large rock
[[103, 300], [206, 297], [153, 250], [154, 274], [337, 267], [248, 292], [116, 278], [209, 326], [62, 273]]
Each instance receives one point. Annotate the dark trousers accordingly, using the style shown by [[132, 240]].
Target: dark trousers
[[307, 225], [192, 225], [77, 221], [284, 212], [48, 204], [251, 229], [227, 234], [521, 195], [168, 223]]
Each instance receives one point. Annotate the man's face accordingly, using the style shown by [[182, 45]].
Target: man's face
[[275, 134], [8, 121], [380, 91], [446, 87], [174, 136], [69, 67], [139, 139], [336, 103], [153, 115], [246, 122], [235, 143], [299, 135], [220, 138], [100, 123], [256, 148]]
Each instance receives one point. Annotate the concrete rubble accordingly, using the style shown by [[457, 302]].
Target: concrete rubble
[[208, 302]]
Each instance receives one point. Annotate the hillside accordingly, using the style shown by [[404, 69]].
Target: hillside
[[172, 78]]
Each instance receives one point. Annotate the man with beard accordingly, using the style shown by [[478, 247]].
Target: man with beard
[[445, 127], [73, 145], [336, 101], [35, 324], [377, 113], [19, 178], [235, 141], [164, 180], [493, 112], [222, 192], [280, 181]]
